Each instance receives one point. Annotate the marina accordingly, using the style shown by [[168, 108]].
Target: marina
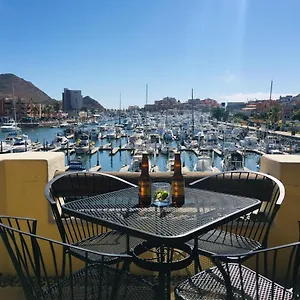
[[116, 145]]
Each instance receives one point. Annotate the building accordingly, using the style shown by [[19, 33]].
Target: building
[[72, 100], [235, 107], [287, 111], [14, 108], [264, 106]]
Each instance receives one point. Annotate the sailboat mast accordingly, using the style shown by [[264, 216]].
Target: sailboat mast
[[120, 108], [14, 102], [146, 117], [193, 118]]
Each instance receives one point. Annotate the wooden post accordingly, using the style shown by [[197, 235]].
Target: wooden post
[[68, 153], [98, 158]]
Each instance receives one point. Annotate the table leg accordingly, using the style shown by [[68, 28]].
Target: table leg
[[197, 265]]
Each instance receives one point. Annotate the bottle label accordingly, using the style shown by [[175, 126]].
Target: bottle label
[[144, 188], [178, 188]]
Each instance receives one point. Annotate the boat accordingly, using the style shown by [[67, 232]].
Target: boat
[[203, 164], [136, 163], [76, 164], [84, 145], [9, 126], [5, 147], [171, 161], [22, 143], [232, 160], [61, 141]]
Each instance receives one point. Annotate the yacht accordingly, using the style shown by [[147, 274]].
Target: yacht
[[61, 141], [232, 160], [203, 164], [84, 145], [22, 143], [5, 147], [76, 164], [9, 126]]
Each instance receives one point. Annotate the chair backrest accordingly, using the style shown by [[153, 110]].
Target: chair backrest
[[39, 263], [77, 185], [250, 184], [280, 265]]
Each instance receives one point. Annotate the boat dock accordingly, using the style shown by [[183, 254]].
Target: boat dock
[[219, 152], [94, 150], [95, 168], [114, 151]]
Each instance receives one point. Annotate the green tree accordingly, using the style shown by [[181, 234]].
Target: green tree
[[296, 115], [217, 113], [274, 114], [56, 107], [240, 116]]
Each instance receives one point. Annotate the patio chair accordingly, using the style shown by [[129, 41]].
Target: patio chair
[[230, 279], [77, 185], [251, 231], [38, 262]]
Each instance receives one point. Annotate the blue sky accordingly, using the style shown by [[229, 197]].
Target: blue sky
[[224, 49]]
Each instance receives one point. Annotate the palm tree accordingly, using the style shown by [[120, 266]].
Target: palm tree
[[273, 115]]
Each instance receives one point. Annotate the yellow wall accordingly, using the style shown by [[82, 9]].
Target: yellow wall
[[286, 168], [22, 182]]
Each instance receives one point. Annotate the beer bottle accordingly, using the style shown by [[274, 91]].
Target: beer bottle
[[144, 183], [177, 183]]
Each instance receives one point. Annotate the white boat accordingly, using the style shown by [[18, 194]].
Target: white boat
[[5, 147], [22, 143], [9, 126], [136, 163], [171, 161], [61, 141], [203, 164]]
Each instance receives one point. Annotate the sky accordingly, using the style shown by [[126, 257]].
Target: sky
[[229, 50]]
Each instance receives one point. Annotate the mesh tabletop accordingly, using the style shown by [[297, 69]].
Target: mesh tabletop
[[202, 211]]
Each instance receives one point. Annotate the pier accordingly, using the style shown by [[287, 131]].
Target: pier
[[219, 152], [114, 151]]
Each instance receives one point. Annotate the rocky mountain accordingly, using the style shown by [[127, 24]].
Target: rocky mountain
[[23, 89], [90, 103]]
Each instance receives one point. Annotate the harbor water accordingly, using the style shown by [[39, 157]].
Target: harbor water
[[115, 162]]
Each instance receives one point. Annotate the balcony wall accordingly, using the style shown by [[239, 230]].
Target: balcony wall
[[23, 178], [286, 168]]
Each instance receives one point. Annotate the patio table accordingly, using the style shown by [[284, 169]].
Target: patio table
[[162, 226]]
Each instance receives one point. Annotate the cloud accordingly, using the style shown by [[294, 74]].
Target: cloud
[[229, 77], [250, 96]]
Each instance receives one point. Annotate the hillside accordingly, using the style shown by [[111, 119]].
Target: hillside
[[90, 103], [23, 89]]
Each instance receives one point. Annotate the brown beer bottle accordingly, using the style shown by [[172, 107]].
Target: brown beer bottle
[[144, 183], [177, 183]]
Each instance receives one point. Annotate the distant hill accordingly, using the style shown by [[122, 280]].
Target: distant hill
[[23, 89], [90, 103]]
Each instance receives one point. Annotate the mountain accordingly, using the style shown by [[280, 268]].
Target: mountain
[[23, 89], [90, 103]]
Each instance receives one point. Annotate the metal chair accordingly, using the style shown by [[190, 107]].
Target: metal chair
[[38, 262], [251, 231], [77, 185], [233, 280]]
